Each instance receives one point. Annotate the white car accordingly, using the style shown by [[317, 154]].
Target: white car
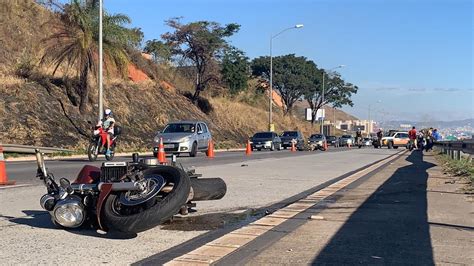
[[183, 137]]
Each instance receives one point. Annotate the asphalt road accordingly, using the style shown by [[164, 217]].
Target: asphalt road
[[264, 181], [24, 172]]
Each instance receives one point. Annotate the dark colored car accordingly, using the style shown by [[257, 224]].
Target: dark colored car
[[288, 136], [346, 140], [332, 140], [266, 140]]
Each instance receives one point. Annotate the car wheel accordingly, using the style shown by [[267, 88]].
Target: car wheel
[[259, 149], [390, 145], [395, 147], [194, 150]]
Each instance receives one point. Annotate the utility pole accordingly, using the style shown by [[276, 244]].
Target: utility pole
[[101, 104]]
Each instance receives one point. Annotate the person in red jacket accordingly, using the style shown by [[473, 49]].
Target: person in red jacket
[[412, 137]]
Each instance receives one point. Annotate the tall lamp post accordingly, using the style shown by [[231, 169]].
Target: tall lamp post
[[322, 95], [369, 124], [270, 120], [101, 106]]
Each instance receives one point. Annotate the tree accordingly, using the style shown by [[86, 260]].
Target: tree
[[74, 42], [200, 44], [337, 92], [235, 69], [160, 51], [292, 76]]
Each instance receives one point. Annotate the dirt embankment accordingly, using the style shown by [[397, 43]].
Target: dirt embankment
[[39, 109]]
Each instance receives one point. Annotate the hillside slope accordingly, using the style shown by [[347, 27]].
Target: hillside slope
[[36, 110]]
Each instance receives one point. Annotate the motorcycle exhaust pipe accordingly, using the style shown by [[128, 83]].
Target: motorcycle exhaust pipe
[[122, 186], [208, 188]]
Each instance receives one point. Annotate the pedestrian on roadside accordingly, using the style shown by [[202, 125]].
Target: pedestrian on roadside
[[436, 135], [412, 137]]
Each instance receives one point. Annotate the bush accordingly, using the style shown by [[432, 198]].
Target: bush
[[202, 103], [25, 66]]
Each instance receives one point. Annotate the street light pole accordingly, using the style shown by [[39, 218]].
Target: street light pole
[[270, 96], [322, 96], [101, 106]]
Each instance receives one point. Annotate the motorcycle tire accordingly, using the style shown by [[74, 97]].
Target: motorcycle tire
[[152, 216], [91, 152]]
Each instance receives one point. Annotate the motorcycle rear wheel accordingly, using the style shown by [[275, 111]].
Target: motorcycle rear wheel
[[135, 219]]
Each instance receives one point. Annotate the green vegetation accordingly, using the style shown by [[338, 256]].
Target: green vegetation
[[234, 71], [463, 168], [297, 77], [198, 45], [74, 42]]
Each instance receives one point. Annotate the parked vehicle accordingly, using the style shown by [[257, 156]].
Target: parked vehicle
[[98, 143], [124, 196], [292, 136], [397, 139], [266, 140], [333, 140], [366, 142], [346, 140], [317, 141], [183, 137]]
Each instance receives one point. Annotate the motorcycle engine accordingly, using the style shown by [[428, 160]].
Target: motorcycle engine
[[113, 171]]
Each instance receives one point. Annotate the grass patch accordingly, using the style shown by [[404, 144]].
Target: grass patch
[[463, 168]]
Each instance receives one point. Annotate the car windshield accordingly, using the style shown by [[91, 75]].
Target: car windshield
[[316, 136], [346, 136], [263, 135], [290, 134], [179, 128], [331, 137]]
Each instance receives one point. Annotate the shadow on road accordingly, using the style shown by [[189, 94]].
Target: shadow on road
[[390, 227], [42, 219]]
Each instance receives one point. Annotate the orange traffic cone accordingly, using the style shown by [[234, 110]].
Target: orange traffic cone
[[161, 152], [3, 171], [248, 150], [210, 149], [326, 146], [293, 148], [349, 145]]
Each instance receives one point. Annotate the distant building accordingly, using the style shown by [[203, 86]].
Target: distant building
[[366, 126]]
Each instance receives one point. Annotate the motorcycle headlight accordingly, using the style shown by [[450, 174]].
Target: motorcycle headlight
[[69, 212]]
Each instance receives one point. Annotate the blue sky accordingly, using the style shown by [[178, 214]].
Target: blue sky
[[415, 56]]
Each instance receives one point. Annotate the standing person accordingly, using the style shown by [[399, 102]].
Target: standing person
[[429, 139], [107, 123], [379, 137], [412, 137], [436, 135]]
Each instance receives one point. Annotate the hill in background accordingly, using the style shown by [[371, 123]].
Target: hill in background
[[36, 109]]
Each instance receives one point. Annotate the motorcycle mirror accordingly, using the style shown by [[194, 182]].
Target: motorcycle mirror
[[66, 185]]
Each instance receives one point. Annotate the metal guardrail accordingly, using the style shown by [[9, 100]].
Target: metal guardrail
[[455, 148], [30, 149]]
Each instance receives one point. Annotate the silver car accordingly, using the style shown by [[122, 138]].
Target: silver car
[[183, 137]]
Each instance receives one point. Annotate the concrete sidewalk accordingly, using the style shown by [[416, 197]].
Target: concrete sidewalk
[[405, 214]]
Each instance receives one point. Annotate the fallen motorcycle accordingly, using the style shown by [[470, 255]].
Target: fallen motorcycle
[[124, 196]]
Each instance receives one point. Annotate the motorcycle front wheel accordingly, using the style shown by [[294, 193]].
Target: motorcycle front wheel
[[92, 151], [155, 210]]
